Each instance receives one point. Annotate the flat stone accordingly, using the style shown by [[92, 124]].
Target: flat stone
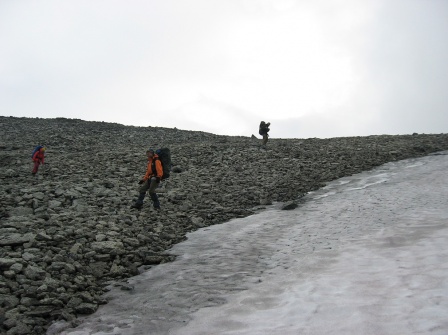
[[15, 239]]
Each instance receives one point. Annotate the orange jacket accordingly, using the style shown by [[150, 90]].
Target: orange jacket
[[39, 156], [158, 168]]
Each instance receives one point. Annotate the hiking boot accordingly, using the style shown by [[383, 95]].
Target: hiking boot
[[155, 200], [137, 205]]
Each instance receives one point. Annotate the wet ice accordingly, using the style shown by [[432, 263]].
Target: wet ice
[[367, 254]]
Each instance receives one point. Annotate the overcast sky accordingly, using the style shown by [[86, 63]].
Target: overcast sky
[[317, 68]]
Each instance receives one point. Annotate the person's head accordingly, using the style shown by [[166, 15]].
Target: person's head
[[150, 153], [43, 149]]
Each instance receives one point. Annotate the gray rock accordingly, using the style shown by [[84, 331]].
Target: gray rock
[[61, 267], [20, 329], [39, 195], [5, 263], [72, 227], [86, 308], [21, 211], [16, 268], [289, 205], [8, 301], [43, 237], [54, 204], [15, 239], [28, 256], [107, 246], [34, 272]]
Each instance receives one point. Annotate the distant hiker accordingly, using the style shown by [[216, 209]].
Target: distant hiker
[[38, 158], [150, 181], [263, 131]]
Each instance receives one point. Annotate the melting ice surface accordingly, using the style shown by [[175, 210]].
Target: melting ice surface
[[367, 254]]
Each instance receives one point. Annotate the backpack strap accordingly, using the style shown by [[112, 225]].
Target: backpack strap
[[153, 165]]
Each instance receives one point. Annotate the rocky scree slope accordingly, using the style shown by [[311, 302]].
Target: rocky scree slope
[[69, 231]]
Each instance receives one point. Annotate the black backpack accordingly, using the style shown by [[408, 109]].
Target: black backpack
[[263, 129], [165, 158]]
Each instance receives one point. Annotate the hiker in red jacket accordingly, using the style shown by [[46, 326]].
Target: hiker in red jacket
[[38, 159], [150, 181]]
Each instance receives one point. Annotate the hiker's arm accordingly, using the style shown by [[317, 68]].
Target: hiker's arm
[[148, 173]]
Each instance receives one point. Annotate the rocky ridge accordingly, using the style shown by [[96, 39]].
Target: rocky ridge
[[69, 231]]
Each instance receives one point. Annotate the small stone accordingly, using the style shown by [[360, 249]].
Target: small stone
[[289, 205]]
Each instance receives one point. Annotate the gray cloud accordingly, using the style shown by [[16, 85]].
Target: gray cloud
[[314, 69], [405, 66]]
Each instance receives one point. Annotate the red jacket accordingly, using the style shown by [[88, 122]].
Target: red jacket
[[158, 168], [39, 156]]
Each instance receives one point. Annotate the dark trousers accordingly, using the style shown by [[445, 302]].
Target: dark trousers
[[149, 186], [265, 139], [36, 167]]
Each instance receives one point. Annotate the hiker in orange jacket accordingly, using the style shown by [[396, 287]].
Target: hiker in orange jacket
[[38, 159], [150, 181]]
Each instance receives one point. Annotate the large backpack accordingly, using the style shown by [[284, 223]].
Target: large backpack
[[36, 149], [165, 158], [263, 129]]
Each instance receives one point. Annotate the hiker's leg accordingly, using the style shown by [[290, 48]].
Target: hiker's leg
[[265, 139], [155, 200], [36, 167], [139, 203], [144, 187], [152, 187], [142, 192]]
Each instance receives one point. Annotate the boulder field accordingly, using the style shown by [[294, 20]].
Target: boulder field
[[69, 232]]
